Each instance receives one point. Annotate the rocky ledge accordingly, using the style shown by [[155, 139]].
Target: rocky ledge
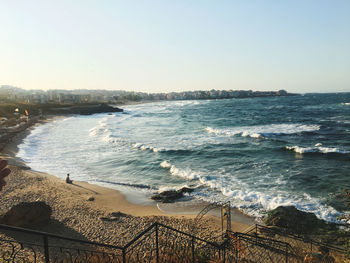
[[83, 109], [296, 221]]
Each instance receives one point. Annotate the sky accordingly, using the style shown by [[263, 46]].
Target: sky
[[179, 45]]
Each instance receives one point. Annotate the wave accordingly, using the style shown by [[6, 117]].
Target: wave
[[184, 173], [251, 202], [316, 149], [100, 128], [262, 131], [256, 203], [144, 147]]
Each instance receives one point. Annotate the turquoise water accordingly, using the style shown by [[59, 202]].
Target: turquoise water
[[258, 152]]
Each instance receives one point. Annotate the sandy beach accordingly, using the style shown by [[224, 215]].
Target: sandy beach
[[86, 211]]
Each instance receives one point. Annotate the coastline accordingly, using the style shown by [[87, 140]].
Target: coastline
[[74, 215]]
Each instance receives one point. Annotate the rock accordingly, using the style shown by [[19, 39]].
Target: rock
[[114, 216], [118, 214], [171, 195], [86, 109], [91, 198], [27, 214], [167, 196], [294, 220], [186, 190]]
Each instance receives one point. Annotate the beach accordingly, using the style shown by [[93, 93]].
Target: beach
[[91, 212]]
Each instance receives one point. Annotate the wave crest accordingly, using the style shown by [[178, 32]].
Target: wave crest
[[316, 149], [144, 147], [262, 131], [184, 173]]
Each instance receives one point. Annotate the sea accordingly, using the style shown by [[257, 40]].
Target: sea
[[257, 153]]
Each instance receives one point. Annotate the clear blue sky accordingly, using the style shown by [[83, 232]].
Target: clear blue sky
[[162, 46]]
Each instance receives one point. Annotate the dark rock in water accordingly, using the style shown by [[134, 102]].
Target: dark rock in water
[[171, 195], [295, 221], [102, 108], [85, 109], [28, 214]]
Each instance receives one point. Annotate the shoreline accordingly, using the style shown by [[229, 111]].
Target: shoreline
[[106, 201]]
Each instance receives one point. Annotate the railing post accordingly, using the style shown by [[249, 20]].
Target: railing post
[[124, 256], [46, 249], [236, 248], [192, 249], [157, 245], [286, 253]]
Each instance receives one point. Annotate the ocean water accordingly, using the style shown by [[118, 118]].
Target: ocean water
[[258, 153]]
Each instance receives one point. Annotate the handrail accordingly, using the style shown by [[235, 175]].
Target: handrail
[[189, 235], [260, 238], [139, 235], [173, 229], [39, 233], [278, 246]]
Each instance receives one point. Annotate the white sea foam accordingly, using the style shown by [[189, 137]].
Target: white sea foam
[[100, 128], [250, 201], [256, 203], [263, 130], [317, 149], [165, 164], [184, 173], [144, 147]]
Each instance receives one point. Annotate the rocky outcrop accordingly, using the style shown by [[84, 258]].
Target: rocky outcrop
[[294, 220], [171, 195], [83, 109], [28, 214]]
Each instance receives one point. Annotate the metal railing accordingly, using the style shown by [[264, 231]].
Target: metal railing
[[308, 242], [301, 245], [158, 243], [253, 248], [24, 245]]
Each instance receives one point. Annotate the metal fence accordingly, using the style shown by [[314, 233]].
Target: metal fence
[[156, 244], [253, 248], [300, 244], [24, 245]]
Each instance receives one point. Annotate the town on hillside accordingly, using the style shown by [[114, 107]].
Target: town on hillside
[[14, 94]]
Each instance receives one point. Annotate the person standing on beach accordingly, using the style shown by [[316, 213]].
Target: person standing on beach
[[68, 180], [4, 172]]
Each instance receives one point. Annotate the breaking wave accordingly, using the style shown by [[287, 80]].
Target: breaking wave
[[144, 147], [262, 131], [318, 148], [101, 128], [184, 173], [251, 202]]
